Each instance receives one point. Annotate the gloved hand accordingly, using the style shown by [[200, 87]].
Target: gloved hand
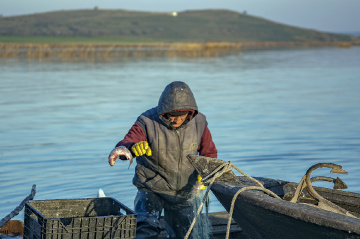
[[141, 148], [201, 185]]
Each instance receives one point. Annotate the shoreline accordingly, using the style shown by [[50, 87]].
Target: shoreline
[[107, 50]]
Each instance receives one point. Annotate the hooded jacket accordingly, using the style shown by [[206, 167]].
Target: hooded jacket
[[167, 170]]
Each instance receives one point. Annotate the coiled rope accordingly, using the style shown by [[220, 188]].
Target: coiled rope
[[210, 179]]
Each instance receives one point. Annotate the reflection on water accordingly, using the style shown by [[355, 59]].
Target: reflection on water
[[273, 113]]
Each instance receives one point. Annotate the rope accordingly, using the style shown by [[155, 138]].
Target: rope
[[235, 197], [20, 207], [218, 172]]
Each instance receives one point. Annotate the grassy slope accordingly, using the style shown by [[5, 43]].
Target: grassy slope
[[188, 26]]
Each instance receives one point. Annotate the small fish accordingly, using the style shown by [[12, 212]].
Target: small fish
[[120, 151]]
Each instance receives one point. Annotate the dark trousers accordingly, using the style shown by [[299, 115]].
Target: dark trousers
[[178, 214]]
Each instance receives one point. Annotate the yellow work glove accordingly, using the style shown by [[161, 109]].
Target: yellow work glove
[[141, 148], [201, 185]]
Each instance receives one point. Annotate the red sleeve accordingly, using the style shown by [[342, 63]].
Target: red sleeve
[[135, 134], [207, 146]]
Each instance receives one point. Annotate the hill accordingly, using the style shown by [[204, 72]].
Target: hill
[[187, 26]]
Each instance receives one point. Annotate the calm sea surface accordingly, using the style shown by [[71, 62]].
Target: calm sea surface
[[273, 113]]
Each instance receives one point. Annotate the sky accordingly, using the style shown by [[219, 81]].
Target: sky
[[322, 15]]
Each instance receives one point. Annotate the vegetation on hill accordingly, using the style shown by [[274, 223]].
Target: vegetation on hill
[[187, 26]]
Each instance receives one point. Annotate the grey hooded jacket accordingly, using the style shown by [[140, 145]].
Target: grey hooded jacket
[[167, 170]]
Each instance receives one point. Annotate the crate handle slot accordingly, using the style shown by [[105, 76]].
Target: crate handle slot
[[62, 224]]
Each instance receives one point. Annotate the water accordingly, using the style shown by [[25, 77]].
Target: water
[[273, 113]]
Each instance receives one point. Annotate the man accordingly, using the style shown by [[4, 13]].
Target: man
[[160, 139]]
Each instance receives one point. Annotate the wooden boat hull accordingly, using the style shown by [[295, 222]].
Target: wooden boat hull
[[263, 216]]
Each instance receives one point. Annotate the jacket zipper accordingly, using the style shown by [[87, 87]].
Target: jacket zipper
[[179, 162]]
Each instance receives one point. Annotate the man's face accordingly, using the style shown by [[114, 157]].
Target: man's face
[[177, 121]]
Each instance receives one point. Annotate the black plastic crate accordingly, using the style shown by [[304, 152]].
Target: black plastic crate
[[78, 218]]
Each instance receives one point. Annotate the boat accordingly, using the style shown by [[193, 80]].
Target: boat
[[268, 208]]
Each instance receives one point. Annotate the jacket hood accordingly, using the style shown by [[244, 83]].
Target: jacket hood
[[176, 96]]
